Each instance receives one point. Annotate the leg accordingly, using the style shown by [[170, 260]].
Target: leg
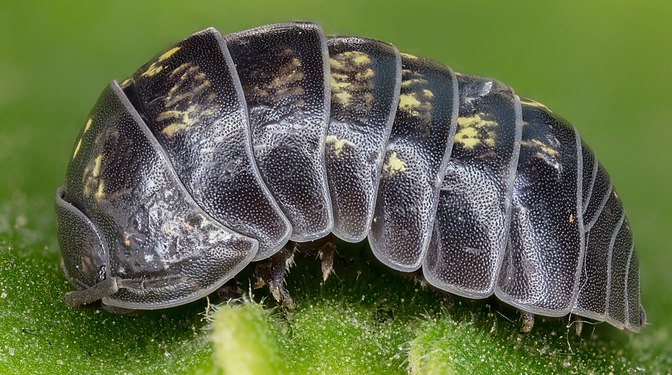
[[272, 272], [229, 291], [578, 324], [528, 321], [327, 252]]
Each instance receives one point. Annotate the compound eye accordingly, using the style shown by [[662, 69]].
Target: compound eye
[[85, 257]]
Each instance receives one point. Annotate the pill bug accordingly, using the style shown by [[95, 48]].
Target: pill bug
[[222, 150]]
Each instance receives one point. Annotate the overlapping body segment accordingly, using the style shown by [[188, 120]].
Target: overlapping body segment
[[284, 74], [365, 83], [221, 149], [609, 281], [191, 100], [147, 222], [471, 227], [542, 262], [415, 159]]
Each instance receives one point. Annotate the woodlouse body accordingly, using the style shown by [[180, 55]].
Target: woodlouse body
[[222, 149]]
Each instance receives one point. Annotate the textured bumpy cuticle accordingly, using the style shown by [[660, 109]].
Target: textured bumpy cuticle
[[222, 149]]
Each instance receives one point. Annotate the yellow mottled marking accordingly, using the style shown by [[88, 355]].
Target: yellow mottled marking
[[475, 121], [350, 80], [534, 103], [183, 119], [338, 84], [417, 105], [475, 130], [336, 64], [416, 98], [286, 83], [288, 75], [96, 166], [169, 114], [91, 181], [100, 192], [394, 165], [368, 99], [79, 144], [571, 218], [337, 77], [408, 56], [338, 144], [188, 93], [343, 97], [172, 129], [168, 53], [367, 74], [153, 69], [357, 57], [408, 102], [543, 149], [415, 81], [362, 59], [156, 66], [87, 126], [468, 138], [191, 89], [125, 83], [184, 67]]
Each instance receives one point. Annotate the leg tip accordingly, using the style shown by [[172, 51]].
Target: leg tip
[[528, 321], [327, 253]]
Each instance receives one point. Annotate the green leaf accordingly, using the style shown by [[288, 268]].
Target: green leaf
[[245, 340], [366, 320]]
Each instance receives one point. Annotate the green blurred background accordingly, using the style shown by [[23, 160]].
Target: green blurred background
[[603, 65]]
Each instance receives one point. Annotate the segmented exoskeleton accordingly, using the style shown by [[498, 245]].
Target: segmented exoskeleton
[[220, 150]]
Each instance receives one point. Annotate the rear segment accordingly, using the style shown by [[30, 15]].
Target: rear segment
[[609, 281]]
